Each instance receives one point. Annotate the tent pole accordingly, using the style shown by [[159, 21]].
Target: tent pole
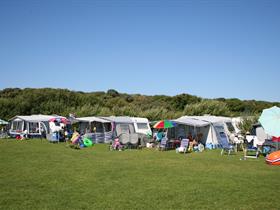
[[212, 132]]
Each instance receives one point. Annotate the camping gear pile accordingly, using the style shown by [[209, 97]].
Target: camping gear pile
[[77, 141]]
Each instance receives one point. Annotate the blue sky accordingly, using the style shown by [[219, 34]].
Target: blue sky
[[210, 49]]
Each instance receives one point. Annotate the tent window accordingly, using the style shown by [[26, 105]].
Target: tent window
[[124, 128], [17, 126], [143, 126], [34, 127], [182, 131], [171, 133], [98, 126], [230, 127], [83, 127], [108, 127]]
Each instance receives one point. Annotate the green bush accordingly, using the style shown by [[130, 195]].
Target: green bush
[[211, 107]]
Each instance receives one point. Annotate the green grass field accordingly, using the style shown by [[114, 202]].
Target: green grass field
[[35, 174]]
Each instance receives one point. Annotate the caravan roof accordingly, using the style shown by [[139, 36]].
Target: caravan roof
[[140, 120], [92, 119], [121, 119]]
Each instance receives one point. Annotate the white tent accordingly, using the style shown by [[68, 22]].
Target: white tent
[[211, 127], [219, 127]]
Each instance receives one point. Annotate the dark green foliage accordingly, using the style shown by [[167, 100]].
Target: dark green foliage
[[180, 101], [15, 101], [113, 93], [247, 123]]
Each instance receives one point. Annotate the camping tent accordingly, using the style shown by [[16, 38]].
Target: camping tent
[[96, 128], [212, 129], [219, 127], [226, 122]]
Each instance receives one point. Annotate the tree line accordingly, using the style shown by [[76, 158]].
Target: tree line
[[16, 101]]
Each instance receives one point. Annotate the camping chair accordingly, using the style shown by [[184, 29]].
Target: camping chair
[[227, 147], [183, 146], [250, 151], [163, 144]]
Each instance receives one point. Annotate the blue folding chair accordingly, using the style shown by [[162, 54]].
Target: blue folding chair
[[226, 147]]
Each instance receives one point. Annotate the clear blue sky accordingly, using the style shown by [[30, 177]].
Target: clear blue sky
[[210, 49]]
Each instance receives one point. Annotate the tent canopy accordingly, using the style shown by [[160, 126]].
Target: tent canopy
[[212, 119], [211, 127], [188, 120], [35, 118]]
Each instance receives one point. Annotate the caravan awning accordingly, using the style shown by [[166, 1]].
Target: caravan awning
[[187, 120], [35, 118], [92, 119]]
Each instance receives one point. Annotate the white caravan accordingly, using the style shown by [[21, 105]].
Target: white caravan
[[141, 125]]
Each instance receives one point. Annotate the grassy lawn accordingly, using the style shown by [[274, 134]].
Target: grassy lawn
[[35, 174]]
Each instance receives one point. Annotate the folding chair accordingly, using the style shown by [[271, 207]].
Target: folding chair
[[251, 151], [183, 146], [227, 147], [163, 144]]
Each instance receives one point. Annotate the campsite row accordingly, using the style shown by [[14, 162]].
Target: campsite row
[[191, 132], [213, 129]]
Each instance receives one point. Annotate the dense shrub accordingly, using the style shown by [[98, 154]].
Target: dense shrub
[[15, 101], [210, 107]]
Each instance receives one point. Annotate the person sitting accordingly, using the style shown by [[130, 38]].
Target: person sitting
[[159, 136], [199, 138], [117, 145], [193, 143]]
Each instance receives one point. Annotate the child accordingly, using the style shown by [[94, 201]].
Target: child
[[117, 145]]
